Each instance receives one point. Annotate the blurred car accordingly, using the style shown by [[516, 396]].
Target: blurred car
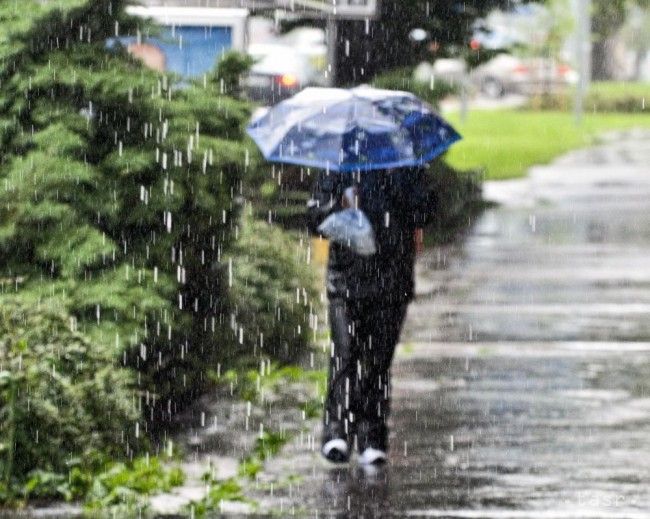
[[278, 73], [285, 64], [529, 76], [484, 37], [309, 41]]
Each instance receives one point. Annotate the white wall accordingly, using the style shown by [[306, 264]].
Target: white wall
[[236, 19]]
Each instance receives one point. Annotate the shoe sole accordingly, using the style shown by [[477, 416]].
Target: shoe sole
[[336, 451], [372, 456]]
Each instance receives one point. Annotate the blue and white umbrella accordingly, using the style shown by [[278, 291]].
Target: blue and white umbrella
[[359, 129]]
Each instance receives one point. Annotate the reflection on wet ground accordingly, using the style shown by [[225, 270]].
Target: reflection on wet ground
[[545, 432], [521, 389]]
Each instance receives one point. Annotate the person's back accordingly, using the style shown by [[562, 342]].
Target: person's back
[[368, 299], [395, 202]]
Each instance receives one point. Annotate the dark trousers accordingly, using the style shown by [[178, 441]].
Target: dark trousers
[[364, 335]]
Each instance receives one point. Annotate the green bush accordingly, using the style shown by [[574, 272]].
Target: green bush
[[227, 74], [456, 196], [119, 193], [611, 96], [402, 79], [119, 212], [112, 488], [122, 484], [61, 398], [274, 292], [603, 96]]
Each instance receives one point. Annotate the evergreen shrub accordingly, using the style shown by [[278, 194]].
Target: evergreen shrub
[[61, 399], [119, 192], [120, 200], [274, 290]]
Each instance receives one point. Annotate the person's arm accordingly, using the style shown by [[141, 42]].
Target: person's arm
[[325, 199]]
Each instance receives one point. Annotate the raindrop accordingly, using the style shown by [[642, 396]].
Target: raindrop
[[167, 219]]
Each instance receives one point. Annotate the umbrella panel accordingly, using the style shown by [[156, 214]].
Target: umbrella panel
[[353, 133]]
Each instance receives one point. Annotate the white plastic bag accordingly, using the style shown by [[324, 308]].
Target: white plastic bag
[[350, 227]]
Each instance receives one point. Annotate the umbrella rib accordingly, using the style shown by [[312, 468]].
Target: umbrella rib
[[274, 149]]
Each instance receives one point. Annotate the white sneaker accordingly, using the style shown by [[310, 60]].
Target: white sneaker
[[336, 450], [372, 456]]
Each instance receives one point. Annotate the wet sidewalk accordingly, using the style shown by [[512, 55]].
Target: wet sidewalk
[[522, 386]]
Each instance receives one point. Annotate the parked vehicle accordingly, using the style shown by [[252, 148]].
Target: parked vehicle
[[286, 64], [279, 73], [309, 41], [506, 73]]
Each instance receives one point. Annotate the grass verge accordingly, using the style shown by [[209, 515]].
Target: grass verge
[[505, 143]]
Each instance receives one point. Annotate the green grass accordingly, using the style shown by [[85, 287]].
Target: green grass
[[603, 97], [616, 89], [505, 143]]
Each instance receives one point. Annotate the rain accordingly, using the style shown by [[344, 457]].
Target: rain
[[324, 258]]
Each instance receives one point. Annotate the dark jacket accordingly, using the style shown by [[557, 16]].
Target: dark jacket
[[396, 202]]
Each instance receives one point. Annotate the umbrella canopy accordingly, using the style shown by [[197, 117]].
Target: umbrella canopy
[[352, 130]]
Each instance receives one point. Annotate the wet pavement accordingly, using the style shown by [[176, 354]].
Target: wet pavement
[[522, 385]]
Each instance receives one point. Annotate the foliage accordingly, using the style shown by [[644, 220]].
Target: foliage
[[129, 484], [291, 384], [61, 398], [611, 96], [402, 79], [254, 385], [384, 44], [229, 71], [506, 143], [119, 194], [114, 486], [65, 410], [559, 24], [267, 445], [636, 35], [607, 18], [219, 491], [273, 290], [603, 96], [456, 197], [119, 211]]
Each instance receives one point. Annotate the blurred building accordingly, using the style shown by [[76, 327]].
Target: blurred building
[[198, 32]]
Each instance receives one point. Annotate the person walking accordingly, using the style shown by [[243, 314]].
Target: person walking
[[368, 298]]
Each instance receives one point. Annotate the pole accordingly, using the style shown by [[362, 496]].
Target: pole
[[332, 44], [583, 56], [464, 100]]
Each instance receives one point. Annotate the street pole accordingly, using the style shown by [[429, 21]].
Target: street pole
[[332, 37], [583, 56], [464, 100]]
